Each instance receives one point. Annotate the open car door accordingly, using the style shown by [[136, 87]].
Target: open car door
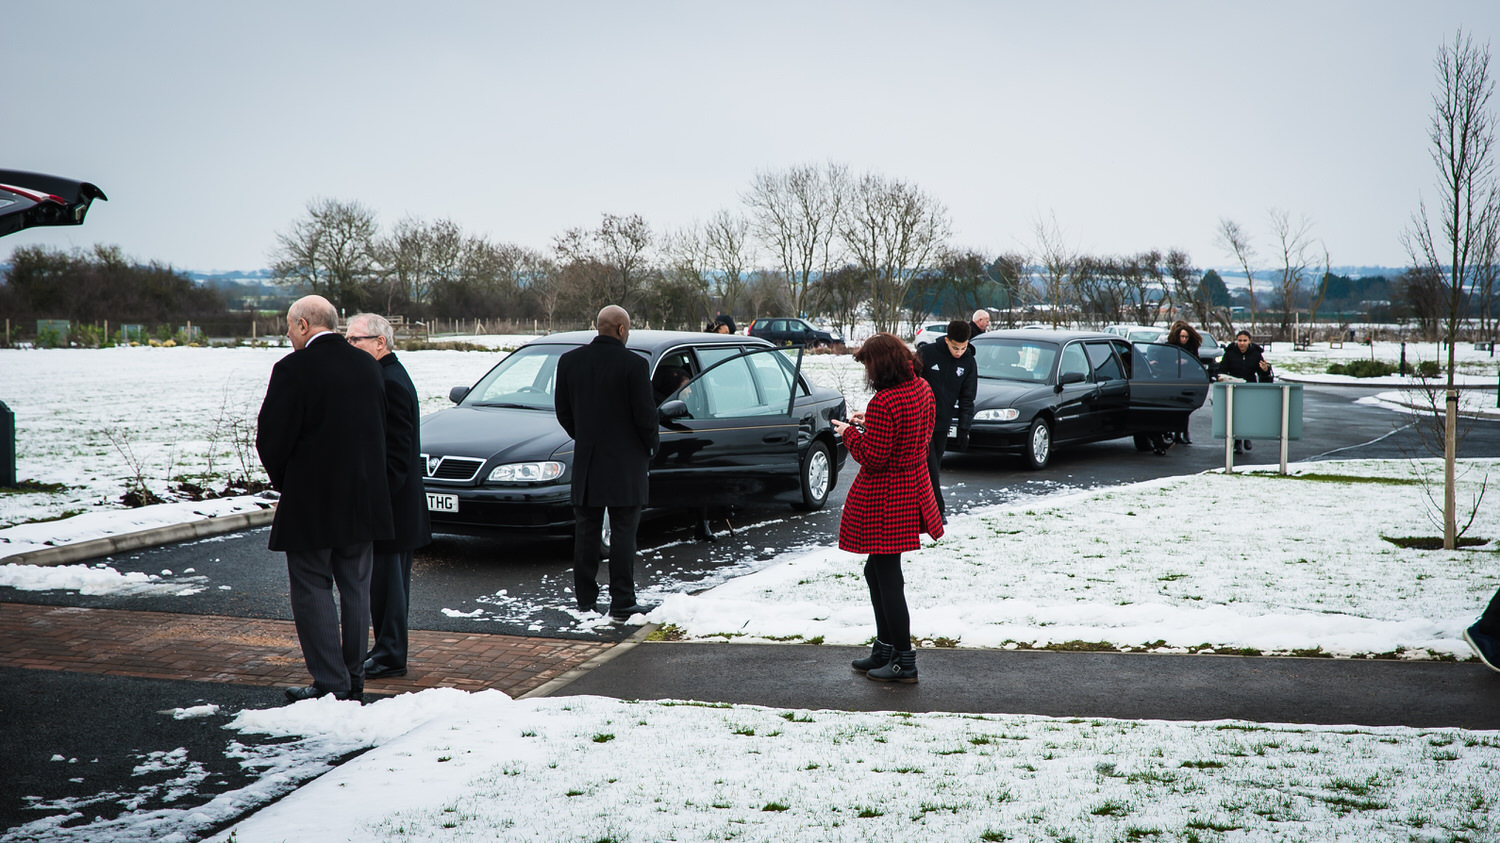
[[729, 434], [28, 200], [1166, 385]]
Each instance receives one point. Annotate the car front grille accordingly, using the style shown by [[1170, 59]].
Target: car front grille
[[451, 468]]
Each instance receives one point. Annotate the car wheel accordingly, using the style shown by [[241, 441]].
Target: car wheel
[[1143, 441], [817, 477], [1038, 445]]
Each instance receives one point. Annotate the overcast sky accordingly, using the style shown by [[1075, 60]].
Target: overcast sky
[[1136, 125]]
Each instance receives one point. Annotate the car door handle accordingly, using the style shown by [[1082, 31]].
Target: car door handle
[[775, 438]]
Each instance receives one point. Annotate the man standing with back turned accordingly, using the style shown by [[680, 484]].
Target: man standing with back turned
[[390, 580], [604, 402], [321, 438]]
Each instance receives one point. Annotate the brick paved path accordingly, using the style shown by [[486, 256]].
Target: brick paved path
[[214, 648]]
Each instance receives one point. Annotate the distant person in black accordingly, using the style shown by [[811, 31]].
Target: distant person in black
[[979, 323], [950, 370], [390, 578], [604, 402], [1244, 361]]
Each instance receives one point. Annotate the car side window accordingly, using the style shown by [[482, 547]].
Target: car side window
[[1154, 361], [1074, 360], [728, 391], [1103, 362], [775, 378]]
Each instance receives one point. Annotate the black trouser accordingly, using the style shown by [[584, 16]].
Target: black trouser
[[586, 536], [333, 637], [1489, 622], [390, 594], [935, 461], [888, 597]]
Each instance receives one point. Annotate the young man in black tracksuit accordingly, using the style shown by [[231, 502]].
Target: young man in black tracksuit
[[949, 368]]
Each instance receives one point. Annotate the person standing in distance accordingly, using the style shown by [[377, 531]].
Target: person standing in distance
[[390, 578], [604, 402], [321, 438], [1244, 360], [979, 323], [949, 369]]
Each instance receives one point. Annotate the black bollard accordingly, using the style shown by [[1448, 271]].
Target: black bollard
[[7, 447], [1403, 358]]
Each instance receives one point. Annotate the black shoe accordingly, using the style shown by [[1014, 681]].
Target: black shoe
[[880, 656], [1184, 439], [902, 668], [312, 692], [1248, 446], [1486, 646], [623, 614], [376, 670]]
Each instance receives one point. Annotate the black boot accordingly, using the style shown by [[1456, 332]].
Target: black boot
[[903, 668], [880, 656]]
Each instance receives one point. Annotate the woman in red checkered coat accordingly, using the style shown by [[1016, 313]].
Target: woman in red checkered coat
[[890, 504]]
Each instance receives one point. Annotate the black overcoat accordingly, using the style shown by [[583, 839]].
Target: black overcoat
[[403, 461], [321, 438], [604, 402], [1244, 365]]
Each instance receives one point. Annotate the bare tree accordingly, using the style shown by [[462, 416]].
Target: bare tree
[[1462, 133], [1320, 291], [329, 252], [892, 230], [796, 214], [687, 270], [417, 257], [1235, 240], [1057, 265], [1186, 286], [730, 252], [1012, 271], [1293, 244], [605, 265]]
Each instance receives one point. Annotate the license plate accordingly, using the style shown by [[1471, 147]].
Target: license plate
[[952, 432], [442, 503]]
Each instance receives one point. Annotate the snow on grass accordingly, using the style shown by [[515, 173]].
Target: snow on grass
[[593, 769], [1249, 562]]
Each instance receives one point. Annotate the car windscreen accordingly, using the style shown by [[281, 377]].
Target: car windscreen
[[526, 380], [1015, 360]]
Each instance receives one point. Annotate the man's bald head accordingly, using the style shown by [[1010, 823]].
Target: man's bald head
[[318, 311], [613, 321]]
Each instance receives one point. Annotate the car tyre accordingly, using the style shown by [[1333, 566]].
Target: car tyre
[[817, 477], [1038, 444]]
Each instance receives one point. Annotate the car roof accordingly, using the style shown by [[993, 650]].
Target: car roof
[[1042, 335], [653, 341]]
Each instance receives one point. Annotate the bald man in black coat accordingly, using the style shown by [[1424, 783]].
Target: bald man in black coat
[[321, 438]]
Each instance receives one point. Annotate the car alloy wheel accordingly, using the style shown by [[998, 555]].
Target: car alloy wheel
[[817, 477], [1038, 444]]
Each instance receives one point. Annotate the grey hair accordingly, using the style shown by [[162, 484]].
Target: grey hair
[[378, 326]]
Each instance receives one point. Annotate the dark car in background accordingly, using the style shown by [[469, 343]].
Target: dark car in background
[[779, 330], [747, 427], [1041, 389]]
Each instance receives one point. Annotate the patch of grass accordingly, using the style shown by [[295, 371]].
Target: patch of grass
[[1348, 804], [1137, 833], [1203, 765], [63, 516], [603, 737], [794, 717], [775, 806], [747, 731], [667, 632], [1076, 646], [869, 813], [31, 486], [1210, 825], [993, 836], [1110, 808], [1346, 478], [1314, 653], [1433, 542]]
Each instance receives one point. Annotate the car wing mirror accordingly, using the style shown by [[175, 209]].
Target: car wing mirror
[[458, 393], [674, 409], [1071, 377]]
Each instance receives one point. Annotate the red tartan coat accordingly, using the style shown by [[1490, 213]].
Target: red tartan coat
[[891, 504]]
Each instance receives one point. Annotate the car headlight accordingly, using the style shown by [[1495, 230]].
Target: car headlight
[[526, 472], [1008, 414]]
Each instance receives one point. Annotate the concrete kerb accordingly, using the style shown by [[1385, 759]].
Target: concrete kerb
[[556, 684], [67, 554]]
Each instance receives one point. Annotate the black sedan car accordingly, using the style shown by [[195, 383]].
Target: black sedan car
[[792, 331], [1041, 389], [746, 426]]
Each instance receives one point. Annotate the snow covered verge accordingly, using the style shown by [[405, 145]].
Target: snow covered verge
[[1242, 563]]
